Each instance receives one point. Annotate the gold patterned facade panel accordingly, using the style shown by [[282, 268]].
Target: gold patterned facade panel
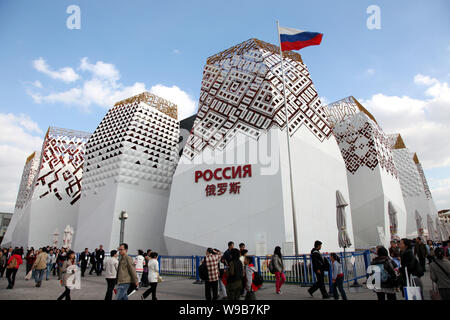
[[159, 103]]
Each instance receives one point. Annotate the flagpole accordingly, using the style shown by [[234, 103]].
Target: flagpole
[[294, 218]]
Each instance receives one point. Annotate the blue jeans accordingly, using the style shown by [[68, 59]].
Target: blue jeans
[[38, 275], [122, 291], [339, 285], [49, 269]]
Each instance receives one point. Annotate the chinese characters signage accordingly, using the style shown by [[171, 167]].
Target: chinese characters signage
[[227, 173]]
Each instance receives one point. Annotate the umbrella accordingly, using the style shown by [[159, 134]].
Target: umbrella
[[344, 240], [393, 220], [431, 233], [419, 224]]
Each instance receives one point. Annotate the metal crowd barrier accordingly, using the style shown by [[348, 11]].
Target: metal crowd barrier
[[298, 269]]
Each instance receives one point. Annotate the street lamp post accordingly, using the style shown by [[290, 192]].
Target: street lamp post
[[122, 218]]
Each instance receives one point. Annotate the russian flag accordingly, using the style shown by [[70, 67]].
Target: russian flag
[[293, 39]]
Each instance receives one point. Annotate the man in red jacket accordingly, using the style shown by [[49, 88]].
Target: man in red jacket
[[11, 268]]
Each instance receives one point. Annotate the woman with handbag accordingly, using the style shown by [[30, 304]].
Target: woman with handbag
[[12, 266], [65, 274], [440, 274], [153, 276]]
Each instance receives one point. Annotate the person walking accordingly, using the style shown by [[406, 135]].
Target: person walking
[[144, 279], [420, 250], [153, 276], [126, 273], [51, 259], [100, 256], [250, 287], [410, 263], [139, 264], [430, 249], [67, 270], [12, 266], [93, 261], [394, 253], [84, 260], [320, 265], [338, 277], [278, 269], [3, 261], [212, 259], [440, 273], [111, 266], [60, 261], [39, 267], [30, 259], [235, 276], [388, 276]]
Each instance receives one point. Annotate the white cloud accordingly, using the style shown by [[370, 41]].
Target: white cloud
[[100, 70], [440, 191], [103, 89], [66, 74], [186, 105], [423, 123], [19, 137], [37, 84], [370, 71], [176, 51]]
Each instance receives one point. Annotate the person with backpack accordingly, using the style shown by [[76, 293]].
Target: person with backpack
[[276, 267], [338, 277], [388, 275], [235, 276], [440, 273], [320, 265], [211, 261], [12, 266], [410, 263], [252, 280]]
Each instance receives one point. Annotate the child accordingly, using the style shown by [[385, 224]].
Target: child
[[338, 277], [250, 287]]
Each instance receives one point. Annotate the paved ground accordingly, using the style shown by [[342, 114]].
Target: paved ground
[[172, 288]]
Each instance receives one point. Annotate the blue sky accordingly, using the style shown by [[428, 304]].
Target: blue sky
[[165, 44]]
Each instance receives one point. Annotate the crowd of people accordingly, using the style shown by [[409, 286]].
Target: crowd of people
[[232, 274]]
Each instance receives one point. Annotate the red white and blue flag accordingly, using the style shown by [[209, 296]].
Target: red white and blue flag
[[293, 39]]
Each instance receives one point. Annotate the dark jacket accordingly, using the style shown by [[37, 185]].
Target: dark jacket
[[93, 258], [226, 258], [100, 255], [84, 258], [318, 261], [236, 271], [409, 261], [420, 250], [389, 267]]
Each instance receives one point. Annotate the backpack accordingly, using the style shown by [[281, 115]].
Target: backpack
[[12, 264], [384, 276], [203, 271], [257, 279], [271, 267]]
